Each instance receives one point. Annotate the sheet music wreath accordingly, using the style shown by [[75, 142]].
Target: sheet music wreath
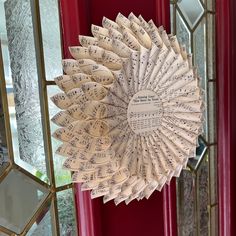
[[132, 109]]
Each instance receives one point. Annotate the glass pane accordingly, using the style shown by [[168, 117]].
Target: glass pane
[[3, 143], [214, 221], [182, 32], [5, 52], [199, 50], [66, 211], [23, 91], [213, 175], [4, 160], [186, 204], [200, 151], [202, 187], [62, 176], [211, 112], [210, 47], [43, 225], [51, 37], [192, 11], [20, 196], [198, 188]]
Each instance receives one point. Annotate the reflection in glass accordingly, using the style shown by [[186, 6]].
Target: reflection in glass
[[210, 26], [199, 52], [62, 176], [183, 33], [192, 10], [43, 225], [22, 88], [66, 212], [20, 198]]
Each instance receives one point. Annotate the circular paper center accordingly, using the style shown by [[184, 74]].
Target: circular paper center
[[144, 112]]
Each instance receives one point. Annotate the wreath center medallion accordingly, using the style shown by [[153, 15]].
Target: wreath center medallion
[[144, 112]]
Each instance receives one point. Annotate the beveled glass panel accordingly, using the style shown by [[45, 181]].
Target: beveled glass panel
[[200, 61], [206, 115], [62, 176], [4, 159], [182, 32], [214, 221], [66, 211], [8, 78], [210, 46], [43, 225], [199, 50], [23, 90], [201, 181], [192, 10], [51, 37], [211, 112], [186, 204], [213, 199], [20, 198], [203, 197]]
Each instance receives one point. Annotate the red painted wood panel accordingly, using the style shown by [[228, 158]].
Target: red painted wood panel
[[76, 17], [156, 216], [233, 118], [226, 87]]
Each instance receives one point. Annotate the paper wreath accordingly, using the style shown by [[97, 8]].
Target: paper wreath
[[132, 109]]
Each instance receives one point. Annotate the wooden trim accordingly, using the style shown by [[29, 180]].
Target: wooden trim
[[88, 213], [163, 13], [70, 27], [170, 209]]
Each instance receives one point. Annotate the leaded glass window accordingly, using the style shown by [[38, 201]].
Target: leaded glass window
[[193, 22], [36, 193]]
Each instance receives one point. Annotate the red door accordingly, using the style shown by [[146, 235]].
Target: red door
[[156, 216]]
